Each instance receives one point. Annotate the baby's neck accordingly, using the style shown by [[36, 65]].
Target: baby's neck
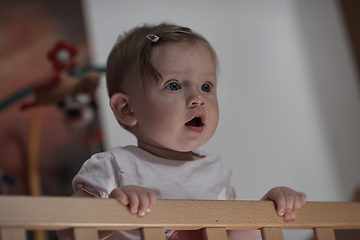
[[168, 153]]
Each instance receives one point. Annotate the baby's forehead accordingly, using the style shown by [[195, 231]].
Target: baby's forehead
[[184, 61], [174, 50]]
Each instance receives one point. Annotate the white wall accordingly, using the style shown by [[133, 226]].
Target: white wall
[[289, 98]]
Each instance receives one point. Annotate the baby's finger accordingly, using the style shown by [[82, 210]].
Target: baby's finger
[[133, 200], [120, 196], [300, 200], [152, 199], [290, 200], [143, 201], [279, 198]]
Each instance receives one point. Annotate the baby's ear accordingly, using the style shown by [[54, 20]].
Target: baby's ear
[[120, 105]]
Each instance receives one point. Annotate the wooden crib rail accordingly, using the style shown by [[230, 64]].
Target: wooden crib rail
[[87, 216]]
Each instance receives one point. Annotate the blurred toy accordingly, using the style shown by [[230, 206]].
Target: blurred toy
[[66, 86], [75, 96], [79, 110], [64, 80], [70, 88], [79, 113], [59, 85]]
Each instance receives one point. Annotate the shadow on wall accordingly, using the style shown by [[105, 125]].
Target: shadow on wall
[[335, 85]]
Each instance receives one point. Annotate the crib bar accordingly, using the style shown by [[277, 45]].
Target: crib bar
[[215, 234], [156, 233], [324, 234], [55, 213], [85, 233], [272, 233], [13, 234], [40, 235]]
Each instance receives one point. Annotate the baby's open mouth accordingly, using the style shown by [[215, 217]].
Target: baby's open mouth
[[195, 122]]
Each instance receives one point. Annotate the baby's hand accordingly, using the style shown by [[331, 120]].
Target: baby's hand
[[288, 202], [139, 199]]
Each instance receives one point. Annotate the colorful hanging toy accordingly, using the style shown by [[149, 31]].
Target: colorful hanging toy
[[65, 80]]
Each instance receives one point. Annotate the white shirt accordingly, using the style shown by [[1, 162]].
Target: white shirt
[[206, 178]]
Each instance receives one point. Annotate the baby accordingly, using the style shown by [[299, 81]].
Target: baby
[[162, 84]]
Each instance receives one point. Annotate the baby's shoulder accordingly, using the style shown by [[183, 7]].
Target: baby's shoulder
[[113, 152], [110, 156]]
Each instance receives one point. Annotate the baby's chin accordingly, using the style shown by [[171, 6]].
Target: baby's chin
[[189, 147]]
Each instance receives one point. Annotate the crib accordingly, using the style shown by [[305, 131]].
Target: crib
[[87, 215]]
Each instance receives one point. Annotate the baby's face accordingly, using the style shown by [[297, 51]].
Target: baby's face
[[181, 112]]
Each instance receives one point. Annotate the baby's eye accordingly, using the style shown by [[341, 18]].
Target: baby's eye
[[206, 87], [173, 86]]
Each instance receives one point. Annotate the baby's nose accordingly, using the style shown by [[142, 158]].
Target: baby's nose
[[196, 100]]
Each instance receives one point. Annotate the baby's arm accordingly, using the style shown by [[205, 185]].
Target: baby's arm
[[139, 199], [288, 202]]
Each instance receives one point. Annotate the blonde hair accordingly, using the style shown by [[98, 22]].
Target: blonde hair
[[130, 58]]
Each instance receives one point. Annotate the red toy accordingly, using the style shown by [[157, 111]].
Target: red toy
[[60, 85]]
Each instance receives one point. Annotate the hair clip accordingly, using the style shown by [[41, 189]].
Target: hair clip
[[152, 38]]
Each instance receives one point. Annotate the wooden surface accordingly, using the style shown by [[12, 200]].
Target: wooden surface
[[53, 213], [324, 234], [272, 233], [156, 233], [85, 233], [215, 234]]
